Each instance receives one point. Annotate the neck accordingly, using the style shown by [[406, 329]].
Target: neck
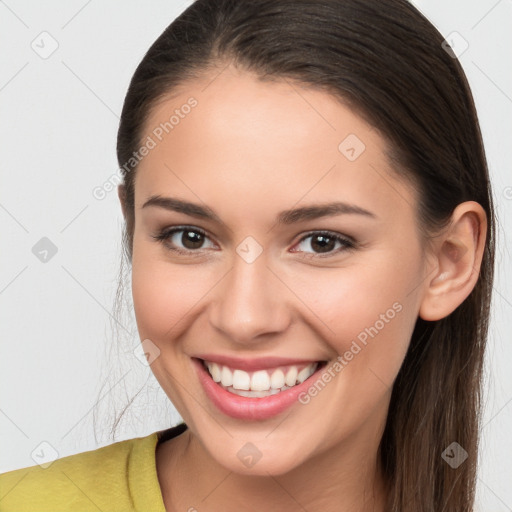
[[347, 478]]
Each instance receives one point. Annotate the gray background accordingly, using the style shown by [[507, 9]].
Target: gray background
[[58, 124]]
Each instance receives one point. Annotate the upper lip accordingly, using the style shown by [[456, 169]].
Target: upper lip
[[254, 363]]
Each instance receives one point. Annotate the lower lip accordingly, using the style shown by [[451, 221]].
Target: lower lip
[[245, 408]]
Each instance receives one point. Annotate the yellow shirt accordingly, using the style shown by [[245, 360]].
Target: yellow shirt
[[120, 477]]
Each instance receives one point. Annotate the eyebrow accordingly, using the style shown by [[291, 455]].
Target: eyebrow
[[292, 216]]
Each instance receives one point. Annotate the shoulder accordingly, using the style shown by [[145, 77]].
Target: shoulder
[[107, 478]]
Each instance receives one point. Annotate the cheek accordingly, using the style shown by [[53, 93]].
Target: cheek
[[368, 311], [163, 293], [162, 299]]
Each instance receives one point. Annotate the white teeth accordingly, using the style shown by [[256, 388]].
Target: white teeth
[[226, 377], [255, 394], [277, 380], [214, 371], [241, 380], [291, 376], [259, 383], [305, 373]]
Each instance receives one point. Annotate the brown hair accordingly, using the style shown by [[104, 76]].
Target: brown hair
[[386, 61]]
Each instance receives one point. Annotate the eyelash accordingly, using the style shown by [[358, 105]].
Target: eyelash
[[346, 242]]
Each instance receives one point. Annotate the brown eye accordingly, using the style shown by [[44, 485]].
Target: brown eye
[[183, 240], [324, 243], [192, 239]]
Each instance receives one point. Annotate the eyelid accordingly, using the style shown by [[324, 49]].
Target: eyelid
[[332, 234]]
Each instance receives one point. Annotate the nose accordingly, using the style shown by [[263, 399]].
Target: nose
[[250, 302]]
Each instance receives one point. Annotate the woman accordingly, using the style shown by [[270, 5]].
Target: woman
[[310, 227]]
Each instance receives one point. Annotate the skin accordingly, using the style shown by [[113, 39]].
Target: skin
[[249, 150]]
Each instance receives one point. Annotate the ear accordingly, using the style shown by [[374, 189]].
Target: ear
[[457, 259], [121, 193]]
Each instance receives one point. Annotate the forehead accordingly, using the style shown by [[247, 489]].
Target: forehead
[[247, 142]]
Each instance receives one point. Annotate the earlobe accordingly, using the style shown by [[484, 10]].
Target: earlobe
[[457, 262]]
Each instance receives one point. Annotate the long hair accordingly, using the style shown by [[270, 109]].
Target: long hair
[[387, 62]]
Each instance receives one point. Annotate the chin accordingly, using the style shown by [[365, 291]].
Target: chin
[[247, 459]]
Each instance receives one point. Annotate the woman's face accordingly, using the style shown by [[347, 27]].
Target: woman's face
[[262, 284]]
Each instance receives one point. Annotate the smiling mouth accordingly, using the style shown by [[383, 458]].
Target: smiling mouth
[[260, 383]]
